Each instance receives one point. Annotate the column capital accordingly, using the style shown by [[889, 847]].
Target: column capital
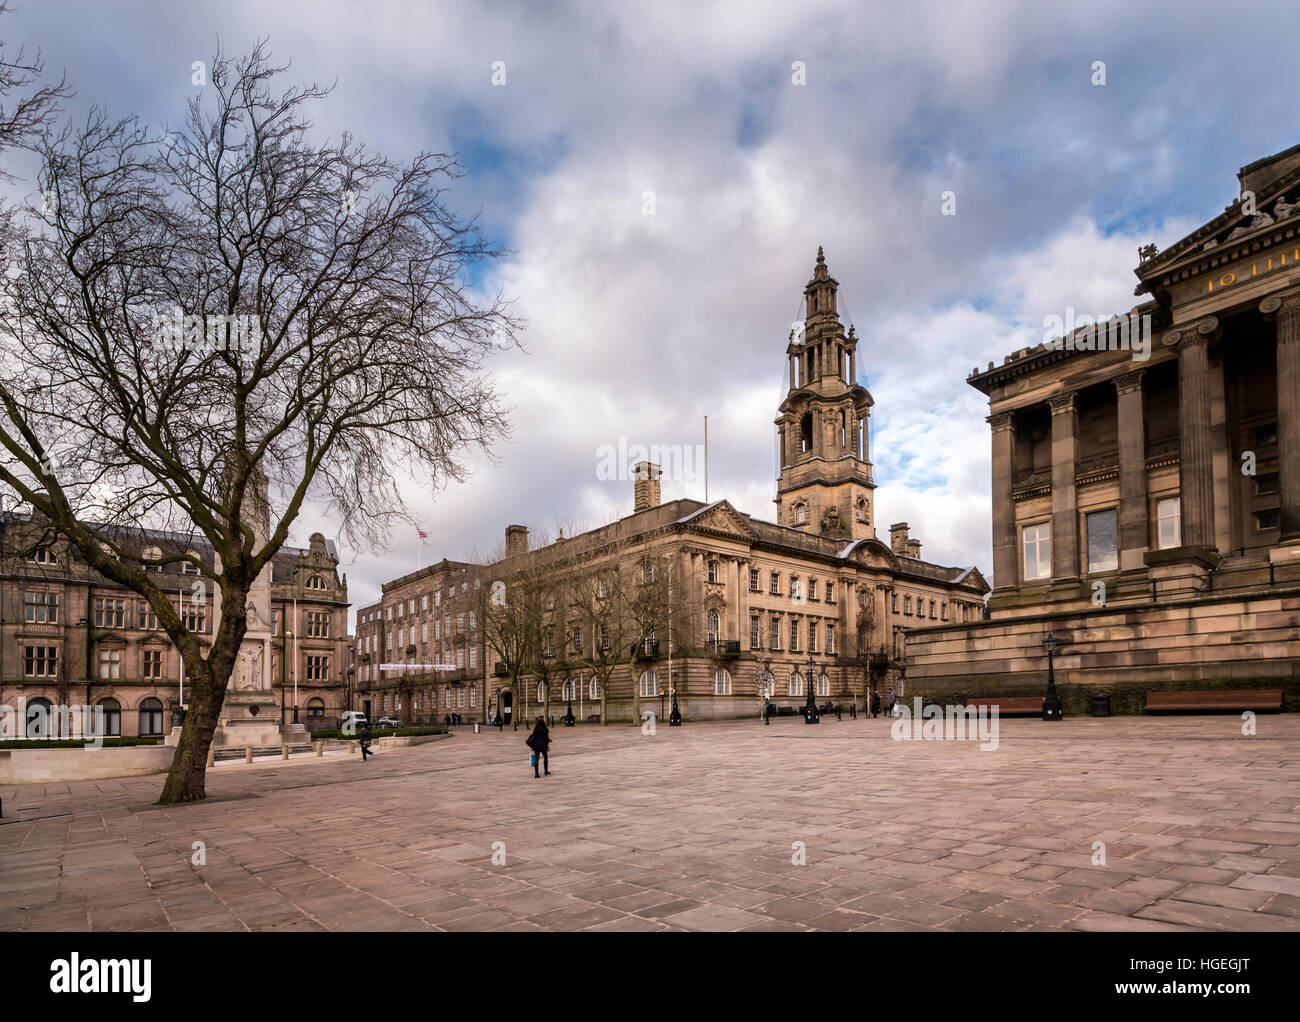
[[1131, 380], [1201, 332], [1063, 402], [999, 420], [1288, 303]]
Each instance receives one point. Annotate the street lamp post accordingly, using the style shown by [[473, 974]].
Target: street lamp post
[[1051, 702], [811, 715], [675, 717], [662, 693]]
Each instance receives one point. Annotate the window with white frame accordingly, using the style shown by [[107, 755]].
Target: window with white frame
[[753, 580], [801, 514], [649, 685], [775, 632], [830, 638], [823, 685], [1036, 542], [713, 625], [568, 691], [110, 663], [41, 608], [593, 690], [830, 592], [1169, 531], [721, 682], [812, 636], [794, 686], [715, 572], [753, 631], [794, 635]]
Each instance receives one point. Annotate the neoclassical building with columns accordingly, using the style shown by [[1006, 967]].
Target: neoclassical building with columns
[[1147, 510]]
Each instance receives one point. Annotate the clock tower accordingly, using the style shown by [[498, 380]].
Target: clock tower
[[825, 486]]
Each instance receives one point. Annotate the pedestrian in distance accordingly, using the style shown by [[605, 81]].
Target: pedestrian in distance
[[875, 703], [365, 743], [893, 699], [540, 742]]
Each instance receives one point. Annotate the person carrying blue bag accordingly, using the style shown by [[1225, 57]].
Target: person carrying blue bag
[[540, 742]]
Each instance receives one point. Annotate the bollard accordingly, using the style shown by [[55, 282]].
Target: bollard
[[476, 727], [352, 747], [284, 752], [320, 749], [212, 755], [248, 754]]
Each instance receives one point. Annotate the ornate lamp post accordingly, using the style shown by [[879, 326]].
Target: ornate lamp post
[[811, 715], [675, 717], [764, 690], [1051, 702]]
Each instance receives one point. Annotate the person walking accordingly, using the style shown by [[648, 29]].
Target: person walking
[[540, 742], [875, 703], [365, 743], [892, 700]]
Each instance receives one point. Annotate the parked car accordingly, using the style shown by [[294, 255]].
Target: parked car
[[389, 722], [353, 722]]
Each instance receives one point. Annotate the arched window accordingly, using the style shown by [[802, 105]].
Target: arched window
[[721, 682], [112, 718], [151, 717], [805, 432], [823, 685], [316, 582], [593, 691], [649, 685], [862, 511], [801, 514], [40, 720], [190, 569], [796, 684], [151, 553], [316, 708], [714, 626], [541, 692], [568, 691]]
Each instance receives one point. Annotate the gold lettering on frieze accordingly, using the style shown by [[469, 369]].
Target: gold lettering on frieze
[[1228, 279]]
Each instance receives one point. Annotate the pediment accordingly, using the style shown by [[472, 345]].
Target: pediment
[[720, 518]]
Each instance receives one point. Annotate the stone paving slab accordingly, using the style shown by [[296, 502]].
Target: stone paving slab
[[723, 826]]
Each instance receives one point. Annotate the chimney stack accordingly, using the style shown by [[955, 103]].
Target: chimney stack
[[914, 548], [898, 538], [516, 540], [646, 487]]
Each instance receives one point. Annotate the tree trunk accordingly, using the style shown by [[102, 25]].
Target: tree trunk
[[187, 778]]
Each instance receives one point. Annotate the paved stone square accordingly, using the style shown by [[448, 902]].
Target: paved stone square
[[693, 829]]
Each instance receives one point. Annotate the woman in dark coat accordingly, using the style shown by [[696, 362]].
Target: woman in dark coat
[[540, 742]]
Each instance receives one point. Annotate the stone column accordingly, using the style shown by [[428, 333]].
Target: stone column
[[792, 371], [1005, 571], [1287, 308], [1195, 458], [1134, 536], [1065, 527]]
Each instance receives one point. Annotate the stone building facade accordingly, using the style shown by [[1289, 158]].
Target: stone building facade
[[419, 649], [68, 636], [1147, 510], [815, 600]]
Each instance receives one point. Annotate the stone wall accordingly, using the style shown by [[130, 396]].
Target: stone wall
[[1237, 641]]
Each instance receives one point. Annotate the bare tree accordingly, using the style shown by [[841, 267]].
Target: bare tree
[[660, 609], [203, 310], [599, 601]]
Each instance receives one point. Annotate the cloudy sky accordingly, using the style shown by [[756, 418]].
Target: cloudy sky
[[640, 325]]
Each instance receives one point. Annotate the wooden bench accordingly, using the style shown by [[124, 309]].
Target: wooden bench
[[1224, 701], [1011, 706]]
